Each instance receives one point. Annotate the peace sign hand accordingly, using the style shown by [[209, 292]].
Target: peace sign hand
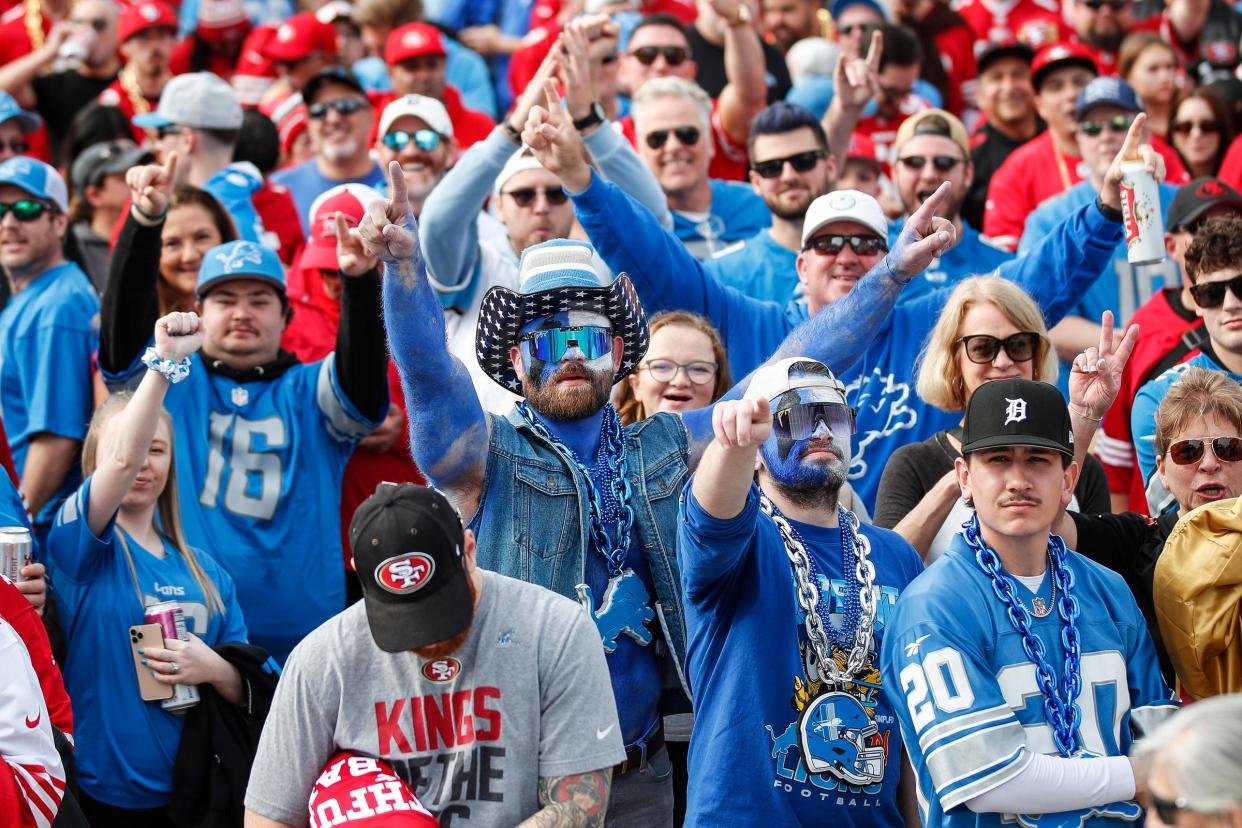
[[555, 143], [388, 231], [1096, 375], [856, 81], [150, 187]]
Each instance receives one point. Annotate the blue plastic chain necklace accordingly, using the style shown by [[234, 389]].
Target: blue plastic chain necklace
[[844, 636], [1060, 704], [615, 503]]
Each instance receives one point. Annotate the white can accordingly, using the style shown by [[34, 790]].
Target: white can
[[1140, 215]]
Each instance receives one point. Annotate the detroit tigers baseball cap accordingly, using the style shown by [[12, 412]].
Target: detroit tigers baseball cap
[[409, 550], [356, 790], [235, 260], [844, 205], [39, 179], [1017, 412]]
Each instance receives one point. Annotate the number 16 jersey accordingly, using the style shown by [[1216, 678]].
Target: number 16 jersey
[[968, 698], [259, 468]]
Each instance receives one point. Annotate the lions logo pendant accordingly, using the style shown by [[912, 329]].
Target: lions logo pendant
[[625, 609], [832, 734]]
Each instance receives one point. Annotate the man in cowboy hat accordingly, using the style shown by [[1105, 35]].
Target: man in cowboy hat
[[828, 721], [557, 491]]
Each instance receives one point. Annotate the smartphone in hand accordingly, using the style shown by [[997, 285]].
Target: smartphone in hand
[[142, 636]]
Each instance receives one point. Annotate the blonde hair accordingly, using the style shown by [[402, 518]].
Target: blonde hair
[[167, 510], [939, 373], [629, 408], [1197, 393], [672, 87]]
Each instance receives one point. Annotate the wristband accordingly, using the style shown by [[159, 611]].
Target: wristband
[[1082, 412], [174, 372], [1110, 213], [147, 216]]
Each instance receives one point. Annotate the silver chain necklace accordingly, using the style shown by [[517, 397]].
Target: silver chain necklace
[[809, 597]]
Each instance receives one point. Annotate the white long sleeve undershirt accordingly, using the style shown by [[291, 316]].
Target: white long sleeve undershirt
[[1052, 784]]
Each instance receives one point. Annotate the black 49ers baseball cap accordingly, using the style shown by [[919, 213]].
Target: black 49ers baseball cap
[[408, 544], [1017, 412]]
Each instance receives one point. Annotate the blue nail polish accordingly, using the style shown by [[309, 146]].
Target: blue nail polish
[[141, 651], [144, 662]]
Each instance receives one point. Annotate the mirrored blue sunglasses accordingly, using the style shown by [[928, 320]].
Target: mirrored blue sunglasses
[[551, 344], [425, 139]]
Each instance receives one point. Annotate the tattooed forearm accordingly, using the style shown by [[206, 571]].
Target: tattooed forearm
[[579, 801]]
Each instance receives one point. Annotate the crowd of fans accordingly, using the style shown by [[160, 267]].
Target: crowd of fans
[[370, 363]]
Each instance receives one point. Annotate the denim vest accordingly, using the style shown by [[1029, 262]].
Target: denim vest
[[532, 522]]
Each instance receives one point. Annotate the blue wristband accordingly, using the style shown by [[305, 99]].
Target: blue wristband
[[174, 372]]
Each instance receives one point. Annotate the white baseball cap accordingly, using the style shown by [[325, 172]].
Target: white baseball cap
[[844, 205], [771, 381], [522, 160], [429, 110]]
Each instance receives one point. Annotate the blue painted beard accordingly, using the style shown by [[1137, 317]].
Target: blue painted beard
[[809, 483], [574, 403]]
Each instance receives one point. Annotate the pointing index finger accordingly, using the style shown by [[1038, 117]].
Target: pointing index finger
[[1134, 137], [874, 50], [170, 166], [922, 216]]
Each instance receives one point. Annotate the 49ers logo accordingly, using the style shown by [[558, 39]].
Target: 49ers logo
[[442, 669], [403, 574]]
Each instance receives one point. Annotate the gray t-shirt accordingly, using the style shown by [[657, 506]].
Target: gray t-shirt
[[526, 696]]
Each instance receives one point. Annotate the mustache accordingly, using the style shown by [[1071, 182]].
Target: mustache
[[1021, 498], [820, 445]]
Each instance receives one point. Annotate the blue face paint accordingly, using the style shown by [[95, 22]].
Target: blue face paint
[[790, 469]]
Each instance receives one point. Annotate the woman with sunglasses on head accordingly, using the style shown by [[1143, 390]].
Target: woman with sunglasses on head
[[1201, 130], [990, 329]]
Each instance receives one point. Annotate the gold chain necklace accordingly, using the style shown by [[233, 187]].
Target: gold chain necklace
[[133, 91], [34, 22]]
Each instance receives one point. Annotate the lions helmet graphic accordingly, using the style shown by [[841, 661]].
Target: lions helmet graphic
[[405, 574], [832, 736]]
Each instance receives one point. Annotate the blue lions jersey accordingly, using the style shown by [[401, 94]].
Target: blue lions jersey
[[125, 746], [259, 468], [970, 706], [769, 748]]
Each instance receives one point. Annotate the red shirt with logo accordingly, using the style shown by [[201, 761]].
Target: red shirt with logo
[[1033, 172], [116, 95], [24, 619], [882, 130], [1033, 22]]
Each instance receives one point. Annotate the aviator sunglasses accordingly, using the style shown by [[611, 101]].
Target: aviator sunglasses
[[832, 245], [425, 139], [687, 135], [550, 344], [982, 348], [1189, 452], [798, 422], [342, 106], [673, 55], [801, 162]]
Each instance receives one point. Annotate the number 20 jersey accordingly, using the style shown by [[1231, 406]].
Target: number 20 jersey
[[967, 697], [259, 468]]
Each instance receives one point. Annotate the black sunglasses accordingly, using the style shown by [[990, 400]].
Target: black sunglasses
[[942, 163], [1212, 294], [1115, 5], [1187, 127], [864, 28], [165, 131], [1118, 123], [343, 107], [688, 136], [1189, 452], [832, 245], [525, 196], [673, 55], [801, 162], [1167, 809], [983, 348], [18, 147], [24, 209]]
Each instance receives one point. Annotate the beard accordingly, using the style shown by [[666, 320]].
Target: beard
[[782, 209], [448, 646], [810, 485], [540, 389]]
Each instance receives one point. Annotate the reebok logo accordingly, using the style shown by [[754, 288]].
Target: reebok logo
[[912, 649]]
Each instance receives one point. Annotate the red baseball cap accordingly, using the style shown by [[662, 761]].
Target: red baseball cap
[[149, 14], [1056, 55], [350, 199], [413, 40], [862, 148], [300, 36], [358, 790]]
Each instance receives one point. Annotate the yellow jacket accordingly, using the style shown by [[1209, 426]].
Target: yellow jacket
[[1198, 595]]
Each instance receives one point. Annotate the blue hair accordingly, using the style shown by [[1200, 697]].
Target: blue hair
[[782, 117]]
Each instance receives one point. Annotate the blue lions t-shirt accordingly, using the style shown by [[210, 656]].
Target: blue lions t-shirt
[[968, 697], [749, 682]]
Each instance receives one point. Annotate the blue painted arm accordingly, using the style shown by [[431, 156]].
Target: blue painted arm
[[449, 432], [448, 233]]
